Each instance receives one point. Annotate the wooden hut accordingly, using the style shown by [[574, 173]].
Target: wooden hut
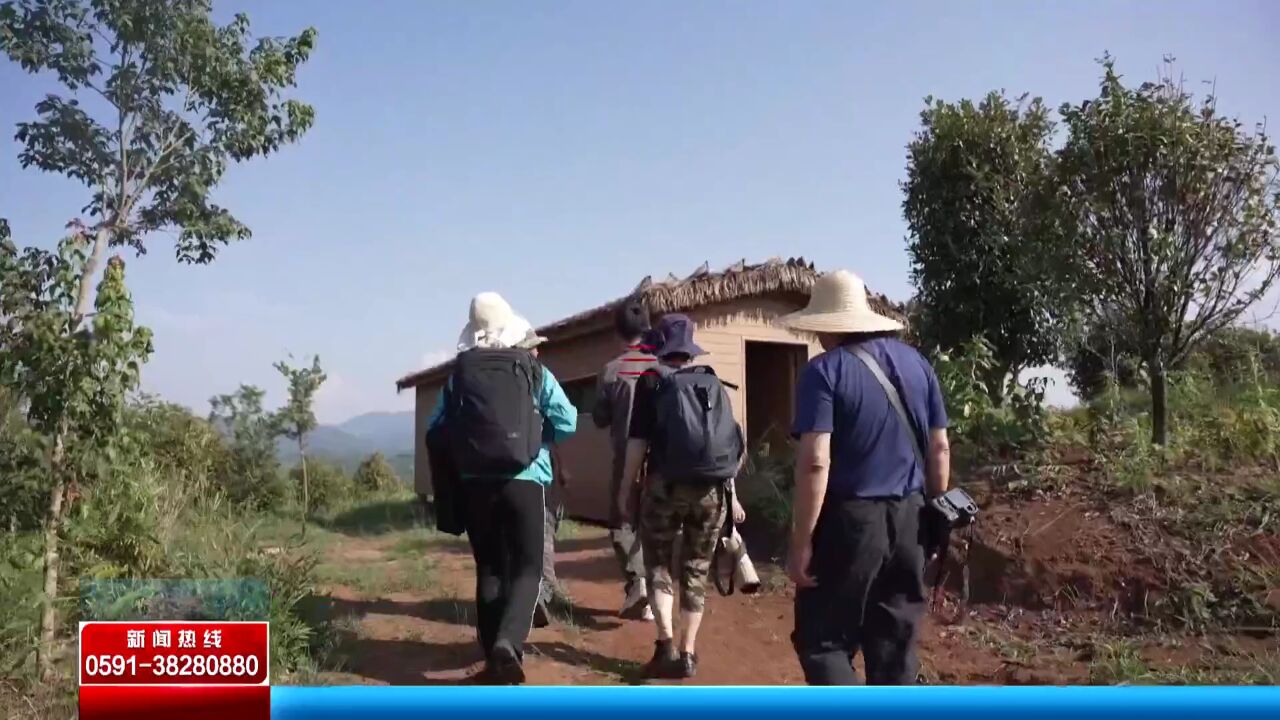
[[734, 309]]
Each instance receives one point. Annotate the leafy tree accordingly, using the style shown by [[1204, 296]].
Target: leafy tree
[[1175, 212], [183, 98], [156, 101], [73, 378], [298, 418], [375, 474], [987, 257], [252, 476], [1228, 356], [1237, 354]]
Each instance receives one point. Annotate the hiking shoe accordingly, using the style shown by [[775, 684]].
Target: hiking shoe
[[636, 603], [505, 665], [665, 661], [688, 665], [541, 615], [560, 606]]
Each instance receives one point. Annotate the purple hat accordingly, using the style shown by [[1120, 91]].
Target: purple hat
[[677, 336]]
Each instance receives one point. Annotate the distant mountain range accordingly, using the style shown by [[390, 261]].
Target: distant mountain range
[[348, 443]]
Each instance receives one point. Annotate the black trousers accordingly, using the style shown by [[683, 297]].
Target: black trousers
[[505, 520], [869, 565]]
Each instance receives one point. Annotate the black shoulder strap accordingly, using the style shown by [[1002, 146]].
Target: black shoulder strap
[[894, 398]]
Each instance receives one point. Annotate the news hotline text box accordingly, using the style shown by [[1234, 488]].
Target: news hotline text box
[[174, 653]]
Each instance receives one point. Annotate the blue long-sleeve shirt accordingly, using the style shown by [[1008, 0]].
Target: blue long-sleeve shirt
[[559, 417]]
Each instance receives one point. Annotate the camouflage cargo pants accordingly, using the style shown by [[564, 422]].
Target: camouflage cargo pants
[[692, 513], [553, 512]]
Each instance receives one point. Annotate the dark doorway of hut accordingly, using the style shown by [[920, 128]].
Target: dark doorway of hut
[[771, 374]]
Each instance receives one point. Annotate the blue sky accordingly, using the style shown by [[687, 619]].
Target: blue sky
[[559, 151]]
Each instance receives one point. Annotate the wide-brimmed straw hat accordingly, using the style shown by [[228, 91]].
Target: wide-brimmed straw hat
[[838, 304], [531, 339], [493, 324]]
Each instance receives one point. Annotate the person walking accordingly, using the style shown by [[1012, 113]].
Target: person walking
[[683, 425], [614, 400], [861, 478], [500, 406], [551, 595]]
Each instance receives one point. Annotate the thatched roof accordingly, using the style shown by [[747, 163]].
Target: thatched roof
[[792, 277]]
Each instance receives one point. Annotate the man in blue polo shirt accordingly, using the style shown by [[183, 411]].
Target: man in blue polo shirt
[[861, 480]]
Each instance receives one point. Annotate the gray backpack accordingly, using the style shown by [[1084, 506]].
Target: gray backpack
[[701, 442]]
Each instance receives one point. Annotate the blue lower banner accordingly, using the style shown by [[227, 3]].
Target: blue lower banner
[[773, 703]]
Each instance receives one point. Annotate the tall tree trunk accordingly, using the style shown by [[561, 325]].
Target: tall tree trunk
[[306, 487], [52, 561], [84, 299], [1159, 405], [57, 464]]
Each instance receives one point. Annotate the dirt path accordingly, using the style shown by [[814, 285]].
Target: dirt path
[[427, 636]]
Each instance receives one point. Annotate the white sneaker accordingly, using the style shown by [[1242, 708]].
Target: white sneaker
[[647, 615], [636, 603]]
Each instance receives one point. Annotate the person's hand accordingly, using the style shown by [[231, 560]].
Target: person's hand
[[798, 559], [739, 514]]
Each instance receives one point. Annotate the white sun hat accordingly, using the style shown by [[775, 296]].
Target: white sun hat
[[838, 304], [493, 324]]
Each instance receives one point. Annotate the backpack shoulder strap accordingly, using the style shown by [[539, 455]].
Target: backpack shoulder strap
[[894, 398], [707, 370], [539, 377]]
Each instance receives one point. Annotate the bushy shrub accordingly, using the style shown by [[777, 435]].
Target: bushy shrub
[[250, 474], [979, 424], [375, 474], [115, 530], [184, 448], [328, 484], [20, 585], [1224, 421], [229, 546], [24, 475], [1234, 354], [764, 487]]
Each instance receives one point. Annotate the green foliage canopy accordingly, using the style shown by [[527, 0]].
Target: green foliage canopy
[[297, 417], [986, 252], [157, 100]]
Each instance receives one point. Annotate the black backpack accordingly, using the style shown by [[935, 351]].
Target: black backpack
[[493, 411], [701, 442]]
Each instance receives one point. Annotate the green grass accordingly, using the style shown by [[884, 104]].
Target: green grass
[[414, 543], [1120, 662], [569, 530], [378, 578], [379, 515]]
